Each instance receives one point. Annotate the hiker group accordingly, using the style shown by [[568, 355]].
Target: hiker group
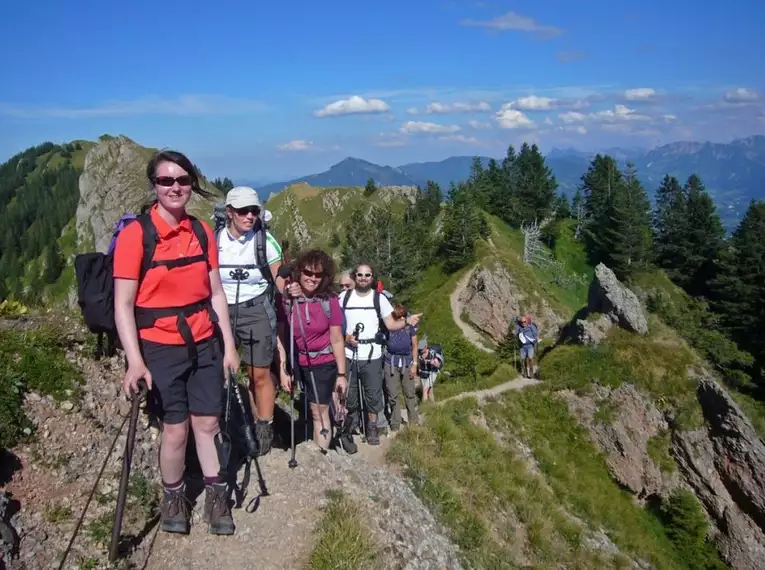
[[188, 305]]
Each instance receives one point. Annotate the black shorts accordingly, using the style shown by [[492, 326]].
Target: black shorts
[[179, 388], [325, 376]]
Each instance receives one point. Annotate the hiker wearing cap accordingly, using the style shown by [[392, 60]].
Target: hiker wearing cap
[[429, 363], [250, 258], [316, 322], [401, 370], [528, 335], [172, 319]]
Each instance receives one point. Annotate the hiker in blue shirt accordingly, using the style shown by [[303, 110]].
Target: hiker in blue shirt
[[528, 335]]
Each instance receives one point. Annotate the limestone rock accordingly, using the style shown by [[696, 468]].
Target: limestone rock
[[593, 330], [609, 296], [492, 298]]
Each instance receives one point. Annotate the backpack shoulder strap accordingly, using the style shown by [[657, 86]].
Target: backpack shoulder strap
[[346, 298], [150, 238], [261, 254], [325, 307], [378, 310], [204, 243]]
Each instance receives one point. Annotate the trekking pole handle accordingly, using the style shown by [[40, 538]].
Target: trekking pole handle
[[358, 330], [142, 389]]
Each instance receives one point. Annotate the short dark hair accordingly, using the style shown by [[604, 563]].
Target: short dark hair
[[316, 257], [181, 160]]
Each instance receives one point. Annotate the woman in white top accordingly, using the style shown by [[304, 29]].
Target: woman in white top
[[246, 251]]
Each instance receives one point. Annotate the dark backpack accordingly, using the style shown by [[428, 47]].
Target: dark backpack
[[439, 353], [95, 279]]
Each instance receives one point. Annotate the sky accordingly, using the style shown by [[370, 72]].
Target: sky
[[265, 91]]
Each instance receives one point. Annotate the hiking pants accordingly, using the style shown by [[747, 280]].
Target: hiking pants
[[370, 372], [395, 378]]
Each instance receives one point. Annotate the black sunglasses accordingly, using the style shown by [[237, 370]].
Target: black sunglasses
[[316, 274], [363, 275], [168, 181], [254, 210]]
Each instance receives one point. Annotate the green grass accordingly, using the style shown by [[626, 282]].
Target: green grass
[[508, 250], [343, 542], [499, 512], [657, 364]]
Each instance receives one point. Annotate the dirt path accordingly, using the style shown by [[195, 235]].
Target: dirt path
[[454, 300], [482, 395]]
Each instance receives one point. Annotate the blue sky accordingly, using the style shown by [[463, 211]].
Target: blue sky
[[266, 90]]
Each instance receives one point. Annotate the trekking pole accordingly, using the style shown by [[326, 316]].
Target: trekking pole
[[324, 430], [356, 332], [127, 459], [240, 275], [292, 462]]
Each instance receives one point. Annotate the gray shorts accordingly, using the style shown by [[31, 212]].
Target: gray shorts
[[527, 351], [254, 334], [429, 380]]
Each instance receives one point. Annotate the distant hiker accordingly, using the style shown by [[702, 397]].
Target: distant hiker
[[171, 315], [528, 336], [429, 364], [346, 283], [250, 257], [401, 370], [368, 317], [317, 325]]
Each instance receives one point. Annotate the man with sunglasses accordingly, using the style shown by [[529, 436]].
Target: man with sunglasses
[[365, 305], [250, 258]]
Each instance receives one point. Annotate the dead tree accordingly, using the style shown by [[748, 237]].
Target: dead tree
[[539, 255]]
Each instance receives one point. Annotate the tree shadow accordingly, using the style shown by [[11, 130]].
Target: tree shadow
[[9, 464]]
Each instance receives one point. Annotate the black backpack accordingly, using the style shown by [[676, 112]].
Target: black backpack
[[381, 328], [95, 281]]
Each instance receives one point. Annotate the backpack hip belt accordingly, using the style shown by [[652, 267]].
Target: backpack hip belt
[[145, 317], [314, 353]]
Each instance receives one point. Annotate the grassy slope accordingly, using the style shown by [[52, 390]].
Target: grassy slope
[[320, 222]]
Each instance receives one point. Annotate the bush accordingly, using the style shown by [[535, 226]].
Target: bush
[[686, 527]]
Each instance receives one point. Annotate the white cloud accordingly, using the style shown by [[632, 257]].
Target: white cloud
[[298, 144], [353, 105], [509, 118], [460, 139], [620, 113], [420, 127], [451, 108], [391, 140], [479, 125], [639, 94], [515, 22], [741, 95], [412, 110], [572, 117], [184, 105], [548, 121]]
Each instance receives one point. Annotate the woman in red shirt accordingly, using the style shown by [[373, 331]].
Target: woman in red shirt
[[171, 312]]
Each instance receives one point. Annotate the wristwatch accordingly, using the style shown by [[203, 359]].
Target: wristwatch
[[341, 374]]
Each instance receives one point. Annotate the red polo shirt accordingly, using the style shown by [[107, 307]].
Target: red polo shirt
[[162, 287]]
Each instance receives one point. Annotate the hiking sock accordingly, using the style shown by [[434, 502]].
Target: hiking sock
[[217, 480]]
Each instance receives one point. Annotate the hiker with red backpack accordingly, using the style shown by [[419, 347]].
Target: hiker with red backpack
[[171, 314], [315, 324], [250, 258]]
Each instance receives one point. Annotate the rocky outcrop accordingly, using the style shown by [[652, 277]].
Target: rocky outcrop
[[623, 422], [389, 194], [724, 464], [492, 298], [610, 297], [593, 329], [113, 182]]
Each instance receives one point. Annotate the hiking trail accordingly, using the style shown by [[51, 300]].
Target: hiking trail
[[469, 332]]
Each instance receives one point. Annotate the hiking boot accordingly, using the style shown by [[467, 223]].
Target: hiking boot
[[175, 511], [264, 434], [395, 427], [373, 438], [217, 512], [345, 441]]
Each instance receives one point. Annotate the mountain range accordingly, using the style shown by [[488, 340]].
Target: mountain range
[[733, 173]]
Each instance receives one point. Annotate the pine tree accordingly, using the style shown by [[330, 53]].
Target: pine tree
[[600, 183], [370, 187], [628, 236], [536, 185], [578, 213], [463, 225], [670, 226], [703, 238], [739, 289]]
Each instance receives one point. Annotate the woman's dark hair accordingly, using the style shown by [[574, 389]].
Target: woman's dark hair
[[399, 311], [316, 257], [181, 160]]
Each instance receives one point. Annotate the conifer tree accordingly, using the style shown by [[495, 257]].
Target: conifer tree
[[628, 235], [670, 226], [703, 238], [370, 187], [599, 185], [536, 185], [463, 225]]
